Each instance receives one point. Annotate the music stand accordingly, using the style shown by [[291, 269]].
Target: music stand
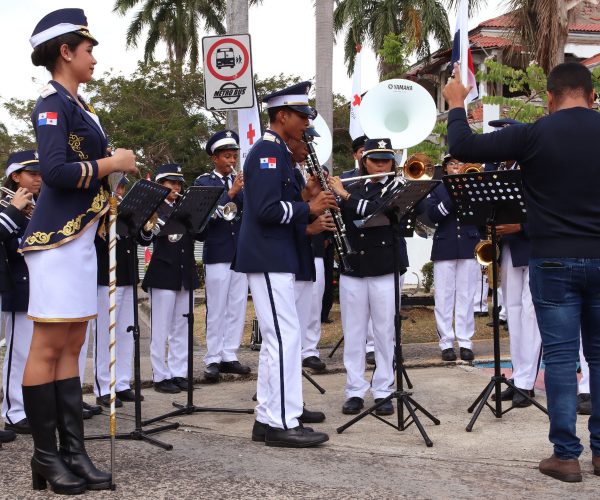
[[137, 206], [190, 217], [401, 199], [488, 199]]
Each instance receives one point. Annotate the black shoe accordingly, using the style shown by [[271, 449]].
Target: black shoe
[[7, 436], [466, 354], [180, 382], [482, 314], [353, 405], [520, 401], [128, 396], [311, 417], [386, 408], [87, 414], [501, 322], [448, 354], [298, 437], [20, 427], [506, 395], [166, 386], [314, 363], [105, 401], [46, 464], [95, 409], [259, 431], [211, 372], [70, 435], [234, 367], [327, 321], [584, 404], [370, 358]]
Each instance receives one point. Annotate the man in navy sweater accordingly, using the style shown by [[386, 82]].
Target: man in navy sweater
[[564, 221]]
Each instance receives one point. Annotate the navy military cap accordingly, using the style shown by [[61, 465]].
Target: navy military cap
[[23, 160], [503, 122], [58, 23], [358, 143], [225, 139], [380, 149], [295, 97], [311, 131], [170, 172]]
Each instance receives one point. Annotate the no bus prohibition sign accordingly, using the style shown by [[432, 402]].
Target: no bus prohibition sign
[[215, 72]]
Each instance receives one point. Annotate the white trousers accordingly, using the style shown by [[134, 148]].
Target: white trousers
[[124, 341], [361, 299], [454, 288], [370, 346], [279, 385], [169, 328], [226, 298], [303, 294], [312, 335], [524, 335], [18, 335], [482, 287], [584, 382]]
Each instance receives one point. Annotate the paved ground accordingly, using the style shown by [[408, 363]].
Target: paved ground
[[213, 456]]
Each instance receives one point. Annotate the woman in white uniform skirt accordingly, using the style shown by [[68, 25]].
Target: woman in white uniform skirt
[[59, 251]]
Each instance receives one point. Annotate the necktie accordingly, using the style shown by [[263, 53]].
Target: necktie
[[226, 181]]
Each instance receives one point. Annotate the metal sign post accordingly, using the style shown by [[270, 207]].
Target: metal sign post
[[228, 75]]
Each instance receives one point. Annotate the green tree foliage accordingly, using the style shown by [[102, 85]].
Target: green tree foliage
[[394, 53], [174, 22]]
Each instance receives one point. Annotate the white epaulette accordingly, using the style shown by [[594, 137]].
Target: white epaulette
[[47, 90], [203, 175], [271, 137]]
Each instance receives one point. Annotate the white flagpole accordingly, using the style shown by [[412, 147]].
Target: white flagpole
[[112, 294], [355, 128]]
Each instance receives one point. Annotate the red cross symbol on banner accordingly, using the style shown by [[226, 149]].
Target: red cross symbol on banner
[[250, 134], [356, 101]]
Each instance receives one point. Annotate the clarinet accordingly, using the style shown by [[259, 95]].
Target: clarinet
[[340, 239]]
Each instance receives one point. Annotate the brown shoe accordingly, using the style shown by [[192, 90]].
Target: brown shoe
[[564, 470], [596, 464]]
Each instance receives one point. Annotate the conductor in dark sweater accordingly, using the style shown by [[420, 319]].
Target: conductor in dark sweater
[[560, 167]]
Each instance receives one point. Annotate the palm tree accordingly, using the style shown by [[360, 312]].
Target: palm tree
[[543, 27], [369, 21], [324, 60], [175, 22]]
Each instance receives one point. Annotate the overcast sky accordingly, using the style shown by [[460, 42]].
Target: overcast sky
[[283, 33]]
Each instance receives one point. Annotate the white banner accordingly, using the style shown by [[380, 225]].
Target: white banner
[[250, 131]]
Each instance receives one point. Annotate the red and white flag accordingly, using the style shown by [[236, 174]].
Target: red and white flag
[[147, 256], [250, 131], [461, 52], [355, 129]]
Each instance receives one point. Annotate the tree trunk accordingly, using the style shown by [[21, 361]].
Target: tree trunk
[[237, 22], [324, 61]]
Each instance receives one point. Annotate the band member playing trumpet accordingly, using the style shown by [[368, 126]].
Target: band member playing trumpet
[[226, 290], [24, 179], [454, 271], [169, 276], [367, 290]]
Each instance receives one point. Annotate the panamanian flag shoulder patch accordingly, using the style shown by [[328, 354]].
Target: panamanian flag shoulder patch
[[270, 162], [48, 118]]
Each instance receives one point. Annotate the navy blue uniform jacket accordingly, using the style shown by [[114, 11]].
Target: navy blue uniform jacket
[[69, 143], [172, 265], [451, 241], [373, 246], [15, 281], [220, 236], [268, 235]]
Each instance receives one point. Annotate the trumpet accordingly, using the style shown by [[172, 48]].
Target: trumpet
[[9, 195], [471, 168], [227, 212], [154, 224]]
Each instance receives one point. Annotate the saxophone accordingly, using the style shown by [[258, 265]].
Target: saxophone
[[340, 239]]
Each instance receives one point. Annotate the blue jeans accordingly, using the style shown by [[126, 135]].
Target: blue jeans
[[566, 296]]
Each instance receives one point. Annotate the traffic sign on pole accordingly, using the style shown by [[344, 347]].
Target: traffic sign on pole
[[228, 76]]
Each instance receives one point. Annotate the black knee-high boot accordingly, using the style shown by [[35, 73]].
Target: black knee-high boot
[[46, 464], [70, 434]]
